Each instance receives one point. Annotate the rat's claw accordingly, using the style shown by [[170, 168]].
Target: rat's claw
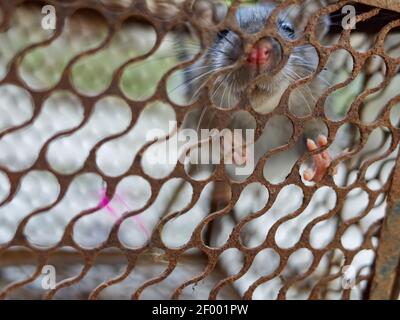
[[240, 152], [321, 160], [322, 140], [240, 156], [311, 145], [308, 175]]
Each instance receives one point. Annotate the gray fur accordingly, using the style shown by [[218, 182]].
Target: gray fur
[[229, 87]]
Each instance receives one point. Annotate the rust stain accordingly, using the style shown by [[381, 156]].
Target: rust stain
[[382, 281]]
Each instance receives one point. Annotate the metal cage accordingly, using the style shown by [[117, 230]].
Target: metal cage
[[77, 100]]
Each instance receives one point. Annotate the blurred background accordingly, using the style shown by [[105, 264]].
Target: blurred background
[[69, 123]]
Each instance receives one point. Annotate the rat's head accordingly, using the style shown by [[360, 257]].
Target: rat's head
[[262, 59]]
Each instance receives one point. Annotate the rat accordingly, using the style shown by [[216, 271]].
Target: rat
[[264, 55]]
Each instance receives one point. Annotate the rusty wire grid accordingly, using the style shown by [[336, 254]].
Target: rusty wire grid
[[76, 103]]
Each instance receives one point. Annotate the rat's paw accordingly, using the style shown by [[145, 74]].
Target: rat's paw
[[239, 153], [322, 160]]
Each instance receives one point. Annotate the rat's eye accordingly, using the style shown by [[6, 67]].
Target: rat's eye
[[287, 28], [223, 33]]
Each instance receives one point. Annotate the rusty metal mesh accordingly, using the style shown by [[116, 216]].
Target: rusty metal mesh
[[76, 103]]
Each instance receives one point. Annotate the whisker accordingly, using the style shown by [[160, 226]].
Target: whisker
[[219, 86], [230, 94], [305, 100], [229, 41], [220, 51], [188, 70], [203, 112], [223, 94], [201, 86], [188, 82], [302, 93]]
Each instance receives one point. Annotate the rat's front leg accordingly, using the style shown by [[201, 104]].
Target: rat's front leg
[[322, 160], [237, 144], [238, 151]]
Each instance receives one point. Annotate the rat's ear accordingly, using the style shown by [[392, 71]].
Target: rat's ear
[[324, 23], [220, 12], [322, 28], [209, 11], [299, 16]]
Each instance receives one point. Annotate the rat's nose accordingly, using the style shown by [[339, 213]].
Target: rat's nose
[[260, 53]]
